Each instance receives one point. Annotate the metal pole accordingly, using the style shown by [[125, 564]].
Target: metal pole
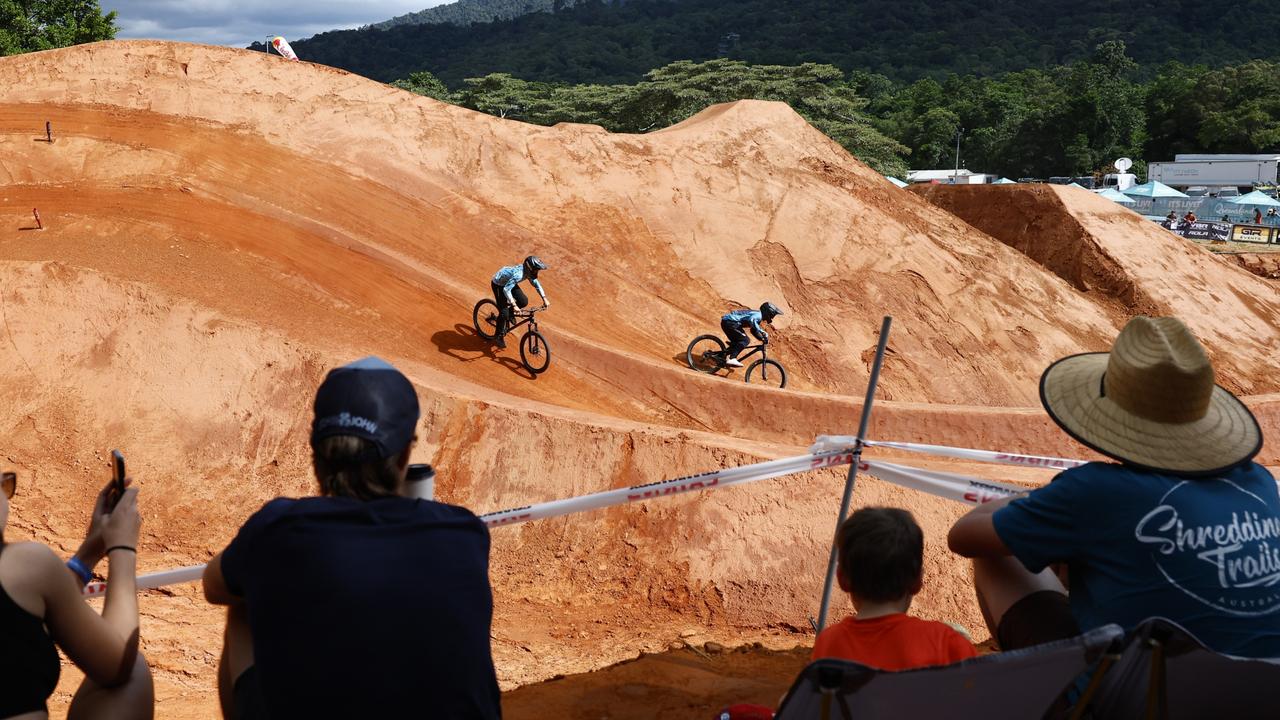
[[955, 179], [853, 469]]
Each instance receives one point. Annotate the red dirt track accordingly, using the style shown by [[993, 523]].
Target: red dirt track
[[223, 226]]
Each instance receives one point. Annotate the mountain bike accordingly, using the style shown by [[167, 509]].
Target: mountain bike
[[707, 354], [535, 354]]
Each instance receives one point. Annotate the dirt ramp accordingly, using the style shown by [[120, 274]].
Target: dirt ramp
[[1132, 266], [651, 236]]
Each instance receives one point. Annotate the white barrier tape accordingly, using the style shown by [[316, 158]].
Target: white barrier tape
[[828, 443], [960, 488], [636, 493], [582, 503], [152, 580]]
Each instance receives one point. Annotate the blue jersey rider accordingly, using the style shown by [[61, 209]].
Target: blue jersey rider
[[734, 323], [509, 296]]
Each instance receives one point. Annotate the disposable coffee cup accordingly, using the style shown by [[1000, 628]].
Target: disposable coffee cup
[[420, 482]]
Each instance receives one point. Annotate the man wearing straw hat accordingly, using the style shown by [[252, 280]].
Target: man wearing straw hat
[[1185, 527]]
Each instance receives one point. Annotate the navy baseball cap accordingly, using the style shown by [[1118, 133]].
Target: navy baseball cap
[[368, 399]]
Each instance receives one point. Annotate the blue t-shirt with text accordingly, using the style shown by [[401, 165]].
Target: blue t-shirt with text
[[1203, 552]]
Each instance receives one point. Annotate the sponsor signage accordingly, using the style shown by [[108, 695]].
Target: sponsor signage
[[1204, 230], [1253, 233]]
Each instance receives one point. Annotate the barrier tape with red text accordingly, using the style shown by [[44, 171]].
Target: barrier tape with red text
[[960, 488]]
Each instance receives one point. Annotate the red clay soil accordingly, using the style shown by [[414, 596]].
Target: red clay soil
[[222, 226], [1264, 265]]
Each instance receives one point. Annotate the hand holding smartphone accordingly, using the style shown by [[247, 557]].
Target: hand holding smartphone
[[117, 479]]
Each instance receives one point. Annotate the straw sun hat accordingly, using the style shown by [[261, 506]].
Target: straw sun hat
[[1151, 402]]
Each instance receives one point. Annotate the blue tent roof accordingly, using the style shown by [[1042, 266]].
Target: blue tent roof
[[1117, 196], [1154, 189], [1256, 197], [895, 181]]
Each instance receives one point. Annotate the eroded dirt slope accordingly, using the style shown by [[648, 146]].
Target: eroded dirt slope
[[1133, 266]]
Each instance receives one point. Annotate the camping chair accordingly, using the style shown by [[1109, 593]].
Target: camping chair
[[1014, 685], [1166, 673]]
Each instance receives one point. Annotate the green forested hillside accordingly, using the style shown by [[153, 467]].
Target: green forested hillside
[[465, 12], [608, 41]]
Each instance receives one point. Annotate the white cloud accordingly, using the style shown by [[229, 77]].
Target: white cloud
[[240, 22]]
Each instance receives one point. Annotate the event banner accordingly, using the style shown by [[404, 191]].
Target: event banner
[[1203, 230], [1253, 234]]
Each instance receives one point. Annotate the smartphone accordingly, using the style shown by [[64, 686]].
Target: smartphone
[[117, 478]]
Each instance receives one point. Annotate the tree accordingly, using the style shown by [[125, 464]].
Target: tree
[[424, 83], [30, 25]]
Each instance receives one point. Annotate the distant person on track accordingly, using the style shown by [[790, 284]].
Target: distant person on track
[[361, 602], [509, 296], [881, 566], [1184, 526], [736, 323], [42, 609]]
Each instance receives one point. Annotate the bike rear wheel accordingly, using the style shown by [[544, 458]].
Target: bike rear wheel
[[699, 355], [534, 352], [485, 319], [770, 373]]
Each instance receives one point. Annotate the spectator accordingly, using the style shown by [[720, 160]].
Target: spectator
[[1189, 217], [1185, 526], [359, 602], [1257, 216], [881, 558], [1271, 216], [42, 604]]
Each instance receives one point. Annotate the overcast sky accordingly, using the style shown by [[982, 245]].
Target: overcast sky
[[240, 22]]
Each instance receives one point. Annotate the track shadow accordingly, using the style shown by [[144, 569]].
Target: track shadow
[[22, 229], [462, 343], [682, 360]]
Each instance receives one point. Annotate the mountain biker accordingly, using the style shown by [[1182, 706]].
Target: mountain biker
[[734, 323], [509, 296]]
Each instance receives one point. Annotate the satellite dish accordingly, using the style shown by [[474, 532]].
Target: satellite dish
[[1123, 164]]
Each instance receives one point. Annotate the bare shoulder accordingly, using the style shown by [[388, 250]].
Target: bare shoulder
[[31, 556]]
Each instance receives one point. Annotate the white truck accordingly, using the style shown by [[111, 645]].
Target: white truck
[[1240, 171]]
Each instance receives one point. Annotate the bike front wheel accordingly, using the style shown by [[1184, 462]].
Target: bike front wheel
[[770, 373], [534, 352], [705, 353], [485, 319]]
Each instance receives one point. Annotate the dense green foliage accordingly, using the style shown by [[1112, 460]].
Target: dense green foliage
[[466, 12], [30, 25], [1066, 120], [673, 93], [608, 41]]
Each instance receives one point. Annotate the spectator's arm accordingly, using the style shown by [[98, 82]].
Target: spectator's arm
[[103, 646], [974, 534], [216, 591]]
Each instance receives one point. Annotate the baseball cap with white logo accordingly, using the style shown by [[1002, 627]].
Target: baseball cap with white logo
[[368, 399]]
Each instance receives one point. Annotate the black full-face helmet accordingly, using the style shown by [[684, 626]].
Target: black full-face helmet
[[769, 311], [532, 265]]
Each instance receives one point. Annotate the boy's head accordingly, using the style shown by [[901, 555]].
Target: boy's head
[[881, 554]]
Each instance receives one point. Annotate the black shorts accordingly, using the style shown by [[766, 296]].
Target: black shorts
[[1036, 619], [246, 696]]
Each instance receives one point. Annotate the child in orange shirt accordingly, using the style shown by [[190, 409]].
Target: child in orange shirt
[[881, 553]]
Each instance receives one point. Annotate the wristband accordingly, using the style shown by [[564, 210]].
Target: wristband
[[121, 547], [82, 572]]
